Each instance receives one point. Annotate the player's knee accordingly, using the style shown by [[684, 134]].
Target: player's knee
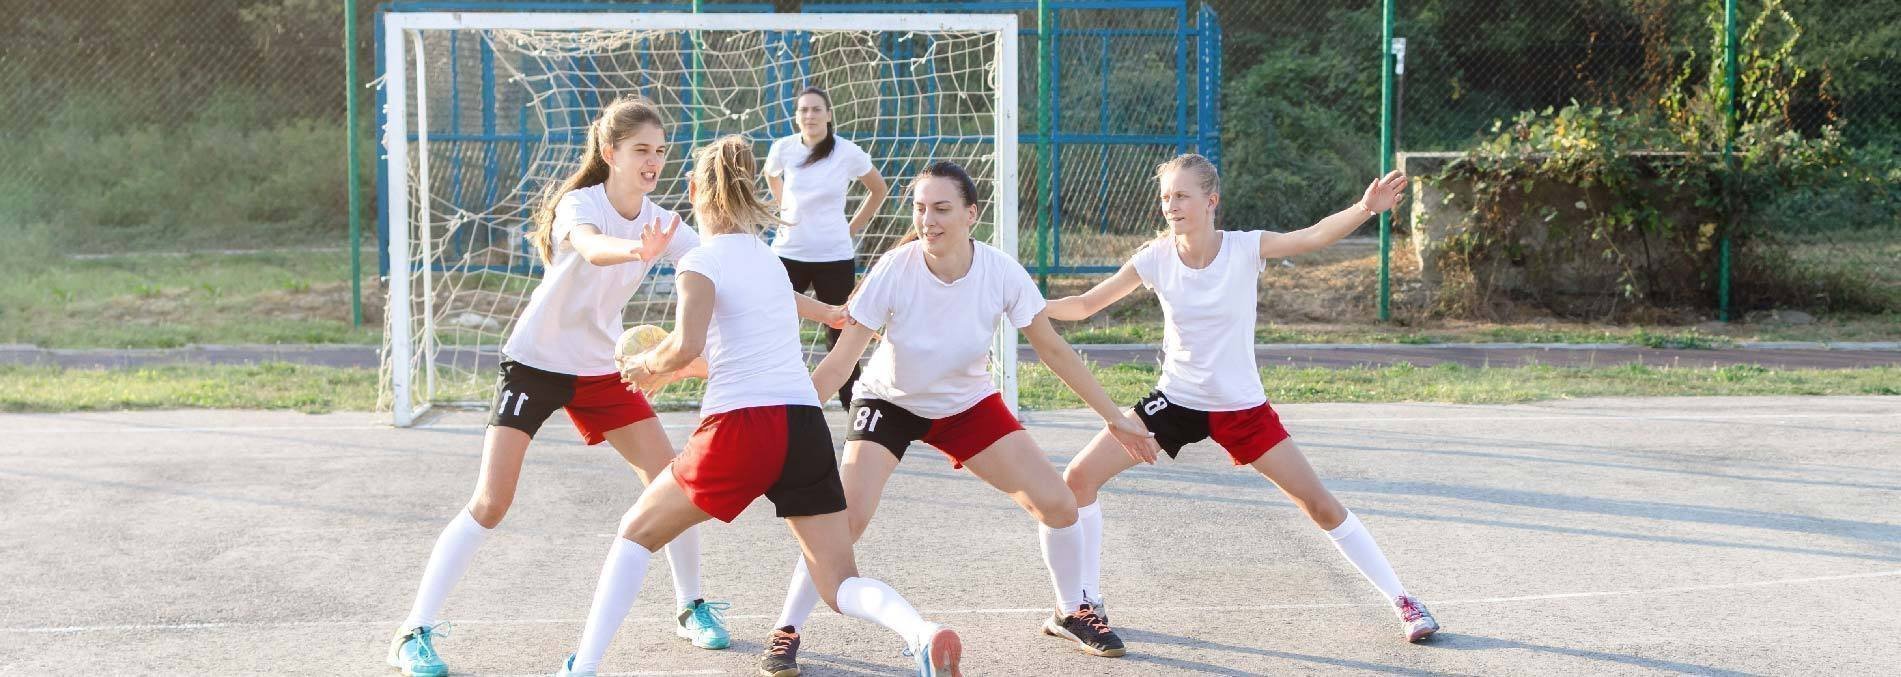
[[645, 534], [1056, 511], [488, 511], [1083, 490], [1326, 511], [858, 525]]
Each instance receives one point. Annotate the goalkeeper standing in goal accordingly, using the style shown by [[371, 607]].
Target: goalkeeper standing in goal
[[761, 430], [809, 173], [937, 297], [1208, 281], [597, 235]]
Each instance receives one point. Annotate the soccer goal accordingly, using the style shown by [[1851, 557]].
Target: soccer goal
[[483, 109]]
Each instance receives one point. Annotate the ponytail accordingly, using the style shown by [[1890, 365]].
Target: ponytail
[[619, 120], [726, 196]]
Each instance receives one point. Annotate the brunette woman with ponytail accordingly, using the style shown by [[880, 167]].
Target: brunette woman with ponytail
[[597, 235]]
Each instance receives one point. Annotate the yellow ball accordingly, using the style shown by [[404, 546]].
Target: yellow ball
[[638, 338]]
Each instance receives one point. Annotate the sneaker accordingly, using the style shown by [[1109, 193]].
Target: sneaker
[[1418, 622], [1090, 631], [567, 669], [701, 624], [782, 654], [937, 653], [414, 652]]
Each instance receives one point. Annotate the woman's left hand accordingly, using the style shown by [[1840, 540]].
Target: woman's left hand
[[1384, 193]]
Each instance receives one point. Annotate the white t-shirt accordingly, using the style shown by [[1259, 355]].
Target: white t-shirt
[[814, 198], [937, 337], [1208, 317], [753, 354], [574, 315]]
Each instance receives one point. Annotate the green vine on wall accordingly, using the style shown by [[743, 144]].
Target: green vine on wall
[[1636, 197]]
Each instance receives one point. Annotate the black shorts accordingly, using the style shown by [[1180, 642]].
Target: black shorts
[[525, 397], [1246, 434], [960, 436]]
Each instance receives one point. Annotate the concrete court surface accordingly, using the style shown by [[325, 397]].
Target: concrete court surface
[[1615, 536]]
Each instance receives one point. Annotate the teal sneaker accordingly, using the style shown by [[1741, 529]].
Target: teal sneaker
[[937, 653], [701, 624], [567, 669], [414, 651]]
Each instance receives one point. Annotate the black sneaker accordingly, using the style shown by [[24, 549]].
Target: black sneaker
[[1091, 632], [782, 654]]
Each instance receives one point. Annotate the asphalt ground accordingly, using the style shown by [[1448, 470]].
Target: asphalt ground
[[1616, 536]]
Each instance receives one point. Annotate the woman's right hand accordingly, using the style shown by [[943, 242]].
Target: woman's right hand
[[1135, 438], [654, 239]]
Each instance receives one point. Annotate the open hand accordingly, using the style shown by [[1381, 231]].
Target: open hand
[[1136, 439], [1384, 193], [654, 239]]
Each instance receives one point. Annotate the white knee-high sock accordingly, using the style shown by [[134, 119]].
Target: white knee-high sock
[[683, 556], [1353, 541], [871, 600], [447, 562], [621, 575], [800, 598], [1089, 519], [1063, 554]]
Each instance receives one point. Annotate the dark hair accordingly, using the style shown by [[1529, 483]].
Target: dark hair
[[617, 121], [945, 169], [822, 149], [942, 169]]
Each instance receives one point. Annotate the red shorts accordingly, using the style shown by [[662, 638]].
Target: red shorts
[[525, 397], [1246, 434], [960, 436], [781, 452]]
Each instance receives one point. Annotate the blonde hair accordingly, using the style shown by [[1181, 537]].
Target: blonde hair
[[726, 195], [619, 120], [1206, 177]]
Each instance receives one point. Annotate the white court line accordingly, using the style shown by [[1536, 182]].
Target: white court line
[[74, 629], [1031, 419]]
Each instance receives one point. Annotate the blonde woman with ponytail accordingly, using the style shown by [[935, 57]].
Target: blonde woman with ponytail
[[761, 430], [1208, 280], [597, 235]]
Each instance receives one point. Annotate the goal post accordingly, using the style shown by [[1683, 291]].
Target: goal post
[[482, 110]]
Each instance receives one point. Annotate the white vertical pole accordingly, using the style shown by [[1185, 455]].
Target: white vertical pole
[[396, 147], [1006, 193], [425, 229]]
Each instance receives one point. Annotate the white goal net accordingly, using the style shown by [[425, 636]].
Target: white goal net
[[483, 110]]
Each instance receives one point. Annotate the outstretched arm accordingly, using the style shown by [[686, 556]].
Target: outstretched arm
[[606, 250], [1380, 196], [1081, 306], [1063, 361], [835, 369]]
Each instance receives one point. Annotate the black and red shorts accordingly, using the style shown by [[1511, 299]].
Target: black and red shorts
[[782, 452], [1246, 434], [960, 436], [525, 397]]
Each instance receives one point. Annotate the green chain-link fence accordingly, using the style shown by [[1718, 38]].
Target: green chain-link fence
[[1302, 106]]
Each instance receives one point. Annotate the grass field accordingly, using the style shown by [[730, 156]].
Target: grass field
[[167, 300]]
